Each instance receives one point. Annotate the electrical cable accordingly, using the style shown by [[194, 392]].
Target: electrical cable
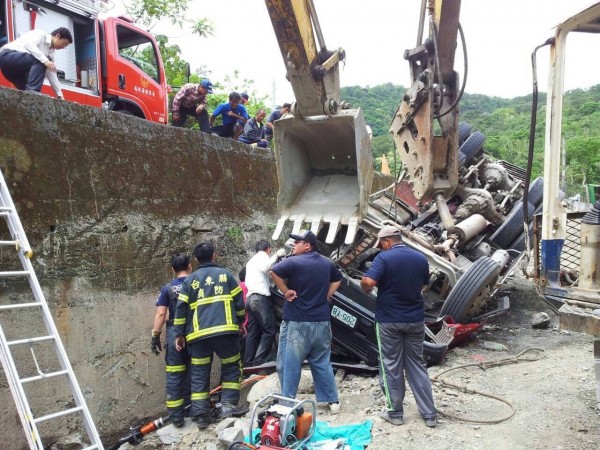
[[486, 365]]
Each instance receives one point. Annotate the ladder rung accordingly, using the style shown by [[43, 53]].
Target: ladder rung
[[5, 213], [43, 377], [8, 242], [14, 273], [6, 208], [91, 447], [20, 305], [30, 340], [59, 414]]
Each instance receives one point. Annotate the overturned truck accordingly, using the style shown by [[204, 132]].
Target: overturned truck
[[452, 202]]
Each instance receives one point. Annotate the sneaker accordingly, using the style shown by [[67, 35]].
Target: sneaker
[[393, 420], [178, 422], [203, 421], [431, 422], [334, 408]]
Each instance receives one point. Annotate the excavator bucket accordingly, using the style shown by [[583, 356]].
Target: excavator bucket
[[325, 170]]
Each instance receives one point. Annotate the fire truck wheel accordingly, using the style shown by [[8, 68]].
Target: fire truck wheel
[[125, 112], [472, 291]]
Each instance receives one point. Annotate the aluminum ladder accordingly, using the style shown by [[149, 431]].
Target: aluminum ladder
[[16, 384]]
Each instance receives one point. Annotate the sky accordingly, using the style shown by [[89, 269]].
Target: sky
[[500, 36]]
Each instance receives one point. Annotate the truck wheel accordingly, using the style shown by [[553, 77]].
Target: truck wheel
[[512, 227], [464, 130], [472, 145], [125, 112], [536, 191], [472, 290]]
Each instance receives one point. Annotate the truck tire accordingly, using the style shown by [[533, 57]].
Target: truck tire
[[471, 146], [464, 130], [512, 227], [536, 191], [472, 290]]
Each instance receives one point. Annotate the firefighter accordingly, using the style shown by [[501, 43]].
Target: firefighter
[[178, 389], [209, 316]]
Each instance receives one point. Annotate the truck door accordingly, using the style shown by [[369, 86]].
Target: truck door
[[133, 71]]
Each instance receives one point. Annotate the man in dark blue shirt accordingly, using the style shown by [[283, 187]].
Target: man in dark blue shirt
[[400, 273], [178, 381], [307, 280]]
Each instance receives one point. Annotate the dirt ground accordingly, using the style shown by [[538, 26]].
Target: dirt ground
[[554, 397]]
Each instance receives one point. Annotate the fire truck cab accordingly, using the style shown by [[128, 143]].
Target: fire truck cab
[[112, 63]]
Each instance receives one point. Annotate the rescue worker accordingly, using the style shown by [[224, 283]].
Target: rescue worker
[[209, 316], [27, 60], [178, 388], [191, 101], [400, 273]]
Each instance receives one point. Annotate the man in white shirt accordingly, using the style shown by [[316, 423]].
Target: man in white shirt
[[28, 59], [262, 326]]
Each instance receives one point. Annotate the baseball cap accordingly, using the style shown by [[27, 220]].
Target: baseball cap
[[245, 95], [386, 231], [206, 83], [305, 235]]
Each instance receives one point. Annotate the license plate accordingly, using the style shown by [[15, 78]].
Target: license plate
[[343, 316]]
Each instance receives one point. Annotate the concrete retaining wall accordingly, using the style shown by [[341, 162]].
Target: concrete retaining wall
[[105, 199]]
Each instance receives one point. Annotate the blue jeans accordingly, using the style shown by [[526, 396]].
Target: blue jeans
[[262, 328], [311, 341]]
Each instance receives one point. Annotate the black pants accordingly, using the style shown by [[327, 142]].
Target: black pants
[[202, 118], [227, 348], [23, 70], [224, 130]]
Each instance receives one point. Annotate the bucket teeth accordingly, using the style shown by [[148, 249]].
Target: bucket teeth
[[315, 225]]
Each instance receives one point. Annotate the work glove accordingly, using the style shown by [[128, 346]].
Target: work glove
[[281, 252], [155, 346]]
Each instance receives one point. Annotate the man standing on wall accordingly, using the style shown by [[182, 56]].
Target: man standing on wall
[[178, 388], [400, 273], [210, 313], [28, 59], [261, 312], [191, 101], [305, 331]]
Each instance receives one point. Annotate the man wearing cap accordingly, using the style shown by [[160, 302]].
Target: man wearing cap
[[191, 101], [307, 280], [399, 272]]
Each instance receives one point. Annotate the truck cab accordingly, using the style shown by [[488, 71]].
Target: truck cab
[[111, 63]]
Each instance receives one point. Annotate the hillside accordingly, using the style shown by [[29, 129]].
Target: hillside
[[505, 122]]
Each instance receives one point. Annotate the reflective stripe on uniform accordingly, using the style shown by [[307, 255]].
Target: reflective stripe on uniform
[[201, 361], [236, 291], [183, 298], [234, 358], [230, 385], [174, 403], [176, 368], [199, 396], [213, 330], [180, 321]]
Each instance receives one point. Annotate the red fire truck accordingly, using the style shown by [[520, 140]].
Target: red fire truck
[[111, 63]]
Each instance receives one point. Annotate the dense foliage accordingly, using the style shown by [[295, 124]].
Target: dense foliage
[[505, 122]]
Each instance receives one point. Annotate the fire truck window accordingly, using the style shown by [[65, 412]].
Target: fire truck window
[[138, 50], [3, 36]]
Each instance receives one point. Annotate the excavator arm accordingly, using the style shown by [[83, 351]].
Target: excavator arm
[[313, 71], [429, 150], [323, 152]]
